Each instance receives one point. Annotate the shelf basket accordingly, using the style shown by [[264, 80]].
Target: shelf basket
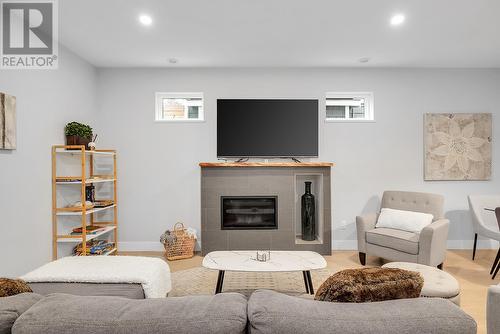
[[179, 244]]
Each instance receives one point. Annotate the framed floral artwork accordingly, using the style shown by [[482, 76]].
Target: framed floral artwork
[[457, 147]]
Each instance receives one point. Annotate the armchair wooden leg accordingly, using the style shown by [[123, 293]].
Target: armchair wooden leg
[[496, 272], [440, 266], [474, 248], [362, 258], [495, 262]]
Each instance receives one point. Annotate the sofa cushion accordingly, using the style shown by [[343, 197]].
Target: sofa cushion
[[369, 285], [12, 307], [402, 241], [272, 312], [410, 221], [222, 313]]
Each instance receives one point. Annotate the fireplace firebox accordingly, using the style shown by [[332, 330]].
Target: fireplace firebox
[[249, 212]]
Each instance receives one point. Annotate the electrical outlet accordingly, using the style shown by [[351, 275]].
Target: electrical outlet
[[343, 224]]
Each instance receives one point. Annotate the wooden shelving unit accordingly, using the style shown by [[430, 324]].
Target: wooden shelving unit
[[85, 161]]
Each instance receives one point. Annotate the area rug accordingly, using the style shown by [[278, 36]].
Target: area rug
[[201, 281]]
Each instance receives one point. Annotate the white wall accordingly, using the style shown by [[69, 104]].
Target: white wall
[[46, 101], [158, 162]]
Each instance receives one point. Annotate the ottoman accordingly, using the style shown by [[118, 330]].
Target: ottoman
[[437, 283], [124, 276]]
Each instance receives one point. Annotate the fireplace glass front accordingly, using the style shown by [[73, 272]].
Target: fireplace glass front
[[248, 213]]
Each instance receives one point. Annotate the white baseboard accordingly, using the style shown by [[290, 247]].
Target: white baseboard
[[468, 244], [140, 246], [451, 244], [344, 244], [156, 246]]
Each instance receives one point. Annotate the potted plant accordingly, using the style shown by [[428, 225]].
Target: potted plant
[[78, 134]]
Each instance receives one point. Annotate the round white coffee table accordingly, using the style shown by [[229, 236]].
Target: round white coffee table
[[280, 261]]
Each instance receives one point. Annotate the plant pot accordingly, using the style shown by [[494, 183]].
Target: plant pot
[[77, 140]]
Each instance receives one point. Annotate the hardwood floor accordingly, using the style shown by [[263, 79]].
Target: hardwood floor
[[473, 276]]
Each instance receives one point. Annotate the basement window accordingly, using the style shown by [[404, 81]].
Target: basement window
[[355, 107], [179, 107]]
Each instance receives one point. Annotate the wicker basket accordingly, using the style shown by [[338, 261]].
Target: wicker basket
[[183, 247]]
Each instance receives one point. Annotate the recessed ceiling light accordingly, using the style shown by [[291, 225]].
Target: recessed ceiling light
[[172, 60], [397, 19], [364, 60], [145, 20]]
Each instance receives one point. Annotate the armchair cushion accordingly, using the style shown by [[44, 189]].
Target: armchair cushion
[[402, 241], [410, 221]]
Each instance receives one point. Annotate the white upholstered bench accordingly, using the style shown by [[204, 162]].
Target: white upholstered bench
[[126, 276]]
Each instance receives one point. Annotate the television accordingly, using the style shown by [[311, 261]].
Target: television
[[267, 128]]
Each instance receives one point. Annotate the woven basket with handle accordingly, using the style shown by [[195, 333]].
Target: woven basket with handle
[[182, 247]]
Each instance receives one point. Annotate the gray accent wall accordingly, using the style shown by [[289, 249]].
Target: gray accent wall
[[283, 182]]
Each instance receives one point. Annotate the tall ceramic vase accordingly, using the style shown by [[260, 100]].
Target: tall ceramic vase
[[308, 215]]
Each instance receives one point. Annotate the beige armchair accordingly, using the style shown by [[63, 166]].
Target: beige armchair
[[427, 247]]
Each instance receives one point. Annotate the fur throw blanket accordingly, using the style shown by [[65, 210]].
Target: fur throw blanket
[[11, 287], [370, 285], [152, 273]]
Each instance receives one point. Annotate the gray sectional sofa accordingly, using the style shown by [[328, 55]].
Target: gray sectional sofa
[[493, 310], [264, 312]]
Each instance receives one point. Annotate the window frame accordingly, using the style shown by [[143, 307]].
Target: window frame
[[369, 107], [159, 96]]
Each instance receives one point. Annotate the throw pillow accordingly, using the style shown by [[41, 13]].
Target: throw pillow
[[12, 307], [11, 287], [403, 220], [370, 285]]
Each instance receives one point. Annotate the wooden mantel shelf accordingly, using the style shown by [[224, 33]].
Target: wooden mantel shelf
[[265, 164]]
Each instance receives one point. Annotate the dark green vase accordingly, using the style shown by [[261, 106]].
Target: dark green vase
[[308, 215]]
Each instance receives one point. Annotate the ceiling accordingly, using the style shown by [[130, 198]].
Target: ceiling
[[283, 33]]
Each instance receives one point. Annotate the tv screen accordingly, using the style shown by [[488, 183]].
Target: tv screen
[[267, 128]]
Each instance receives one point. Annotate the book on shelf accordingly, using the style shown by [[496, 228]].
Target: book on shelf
[[90, 229], [102, 203], [94, 247]]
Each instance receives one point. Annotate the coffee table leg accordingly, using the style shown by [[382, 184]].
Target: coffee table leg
[[306, 281], [310, 282], [220, 282]]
